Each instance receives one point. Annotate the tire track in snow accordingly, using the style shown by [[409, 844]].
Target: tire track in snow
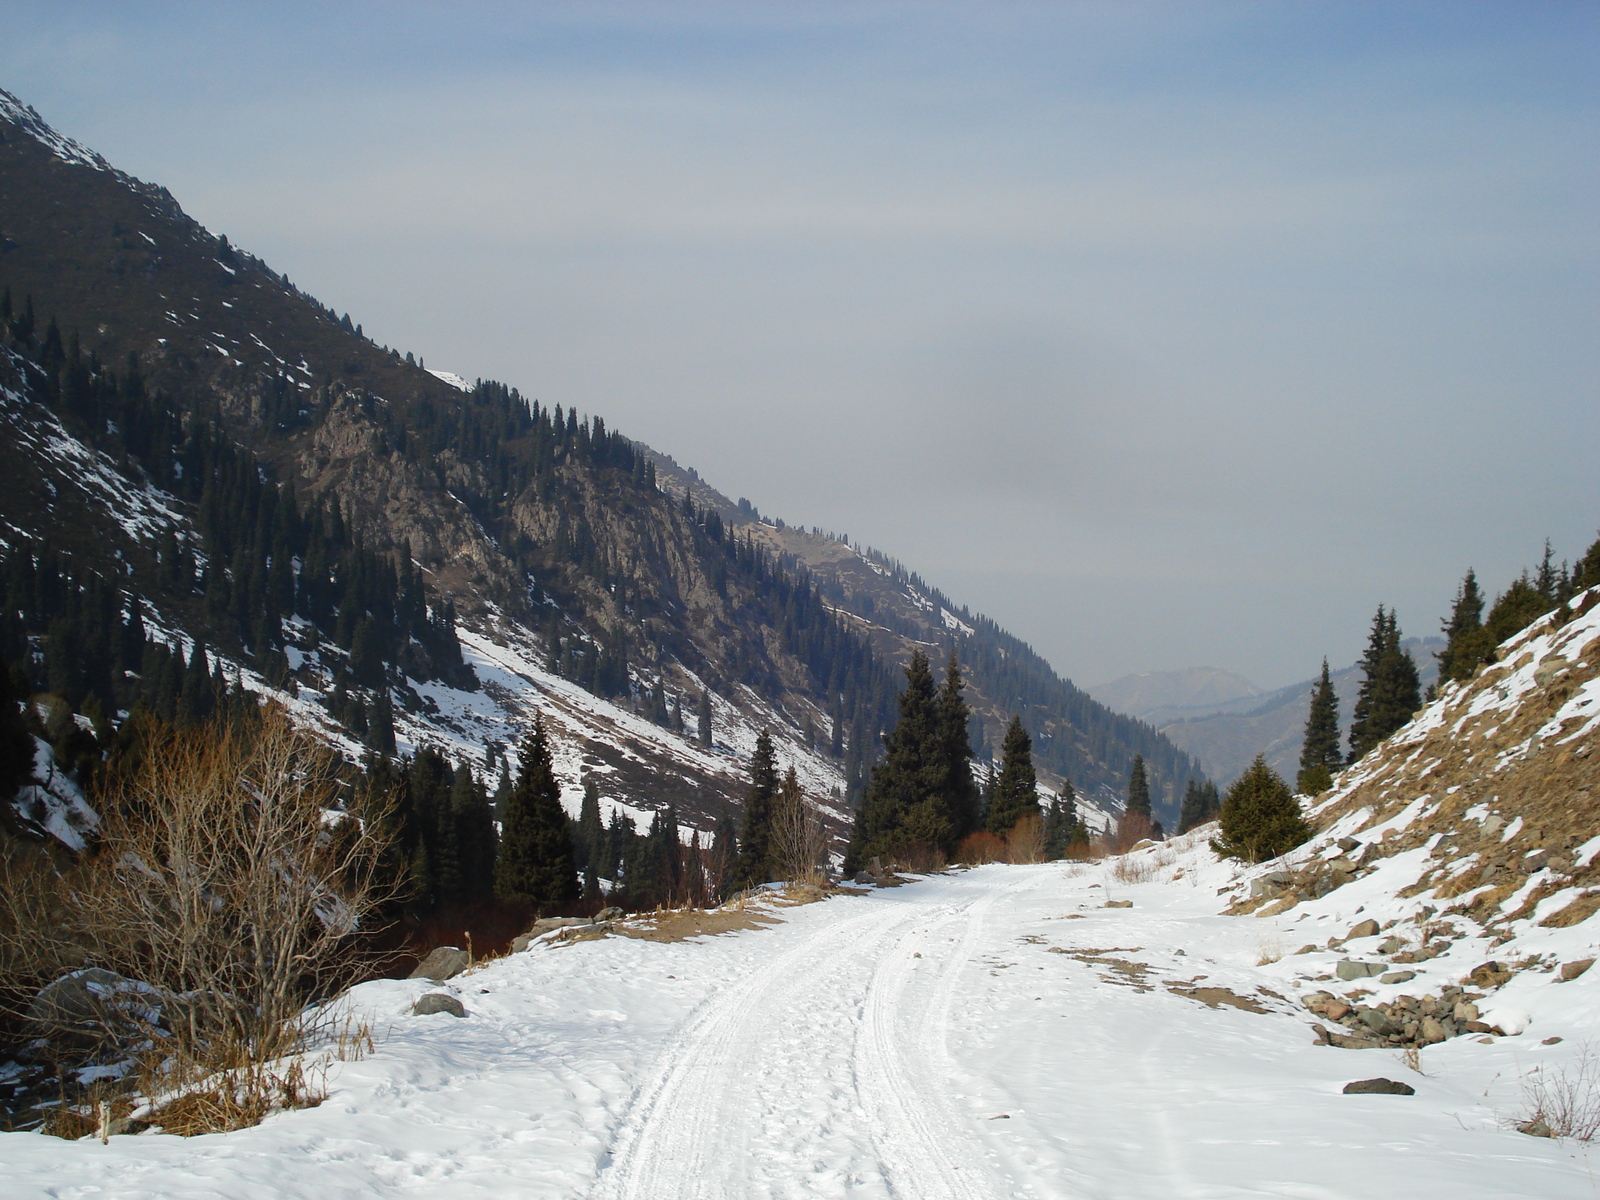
[[930, 1151], [683, 1132]]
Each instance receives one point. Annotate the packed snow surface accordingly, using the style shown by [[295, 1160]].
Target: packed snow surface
[[996, 1032]]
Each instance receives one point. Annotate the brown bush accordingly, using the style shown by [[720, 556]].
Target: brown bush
[[1025, 842], [227, 880], [980, 848]]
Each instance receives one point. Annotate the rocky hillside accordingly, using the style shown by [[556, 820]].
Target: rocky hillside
[[540, 561], [1458, 864]]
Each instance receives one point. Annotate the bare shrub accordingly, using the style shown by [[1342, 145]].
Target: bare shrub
[[1129, 869], [227, 889], [799, 839], [1025, 842], [980, 848], [1131, 829], [918, 858], [1563, 1101], [1271, 950]]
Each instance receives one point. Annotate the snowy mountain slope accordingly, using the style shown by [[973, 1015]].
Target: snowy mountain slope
[[989, 1033]]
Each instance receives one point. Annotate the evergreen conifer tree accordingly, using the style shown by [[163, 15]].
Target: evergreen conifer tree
[[1319, 755], [1466, 640], [1138, 788], [535, 861], [703, 724], [914, 766], [1390, 692], [1016, 788], [590, 832], [960, 801], [754, 864], [1260, 817], [1062, 829]]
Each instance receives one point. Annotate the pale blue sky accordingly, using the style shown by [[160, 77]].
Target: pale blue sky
[[1168, 334]]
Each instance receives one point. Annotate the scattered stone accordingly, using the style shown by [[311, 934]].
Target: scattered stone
[[1348, 969], [437, 1002], [1571, 970], [610, 914], [1378, 1022], [1477, 1027], [1397, 977], [863, 878], [1393, 945], [1367, 928], [1119, 904], [1464, 1011], [1430, 1031], [1347, 844], [443, 962], [1306, 950], [1551, 1041], [1379, 1087], [1536, 1128]]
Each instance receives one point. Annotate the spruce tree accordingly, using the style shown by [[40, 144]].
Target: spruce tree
[[1138, 788], [1062, 829], [1319, 754], [1260, 817], [590, 832], [535, 861], [960, 801], [703, 725], [1467, 643], [1016, 788], [910, 777], [754, 865], [1390, 692]]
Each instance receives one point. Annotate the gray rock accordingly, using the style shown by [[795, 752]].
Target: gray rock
[[95, 1009], [1348, 969], [1378, 1022], [445, 962], [1431, 1031], [522, 941], [1571, 970], [1392, 945], [609, 914], [1348, 844], [1397, 977], [863, 877], [1367, 928], [437, 1002], [1465, 1011], [1379, 1087]]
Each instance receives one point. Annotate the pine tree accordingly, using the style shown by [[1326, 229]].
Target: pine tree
[[1467, 644], [1390, 692], [754, 865], [1319, 754], [909, 778], [960, 800], [1062, 829], [1260, 817], [535, 861], [1138, 788], [703, 724], [591, 831], [1016, 788]]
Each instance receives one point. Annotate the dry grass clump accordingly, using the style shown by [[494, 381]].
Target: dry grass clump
[[1131, 869], [1563, 1101]]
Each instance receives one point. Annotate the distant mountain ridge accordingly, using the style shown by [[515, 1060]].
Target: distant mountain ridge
[[585, 579], [1224, 737], [1160, 696]]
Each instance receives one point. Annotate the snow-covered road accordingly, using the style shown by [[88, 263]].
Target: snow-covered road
[[997, 1032]]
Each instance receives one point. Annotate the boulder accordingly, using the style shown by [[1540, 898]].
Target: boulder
[[1119, 904], [1464, 1011], [1347, 844], [1348, 969], [437, 1002], [610, 914], [1430, 1031], [1571, 970], [94, 1009], [1397, 977], [864, 878], [1379, 1087], [443, 962], [1393, 945], [1367, 928]]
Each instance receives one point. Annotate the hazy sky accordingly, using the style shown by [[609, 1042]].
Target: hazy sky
[[1167, 334]]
